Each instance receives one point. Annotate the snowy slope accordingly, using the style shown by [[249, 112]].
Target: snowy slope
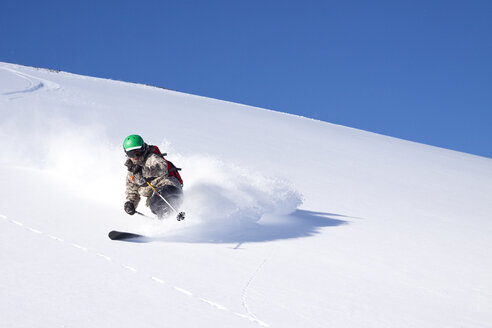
[[290, 221]]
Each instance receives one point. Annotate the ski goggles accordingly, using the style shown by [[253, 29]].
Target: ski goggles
[[135, 153]]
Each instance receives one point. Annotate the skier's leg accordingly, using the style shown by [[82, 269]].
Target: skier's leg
[[172, 194], [156, 205]]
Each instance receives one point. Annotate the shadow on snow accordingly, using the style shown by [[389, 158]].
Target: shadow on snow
[[301, 223]]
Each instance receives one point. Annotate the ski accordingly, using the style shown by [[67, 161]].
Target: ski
[[122, 235]]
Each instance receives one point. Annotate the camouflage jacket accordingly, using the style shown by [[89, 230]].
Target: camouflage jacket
[[154, 170]]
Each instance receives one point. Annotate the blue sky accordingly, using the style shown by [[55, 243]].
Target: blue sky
[[417, 70]]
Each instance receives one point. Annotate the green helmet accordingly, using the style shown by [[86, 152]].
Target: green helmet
[[133, 144]]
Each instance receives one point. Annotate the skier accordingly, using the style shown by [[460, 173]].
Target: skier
[[147, 169]]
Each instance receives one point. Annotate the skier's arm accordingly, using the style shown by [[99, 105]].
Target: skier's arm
[[156, 167], [131, 192]]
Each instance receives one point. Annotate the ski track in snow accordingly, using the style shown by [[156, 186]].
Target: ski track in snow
[[248, 284], [35, 83], [250, 316]]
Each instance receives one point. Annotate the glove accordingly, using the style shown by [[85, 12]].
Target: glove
[[129, 208]]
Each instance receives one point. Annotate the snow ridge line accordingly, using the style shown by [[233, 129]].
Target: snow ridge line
[[158, 280]]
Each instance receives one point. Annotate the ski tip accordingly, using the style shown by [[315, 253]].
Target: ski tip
[[120, 235], [113, 235]]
